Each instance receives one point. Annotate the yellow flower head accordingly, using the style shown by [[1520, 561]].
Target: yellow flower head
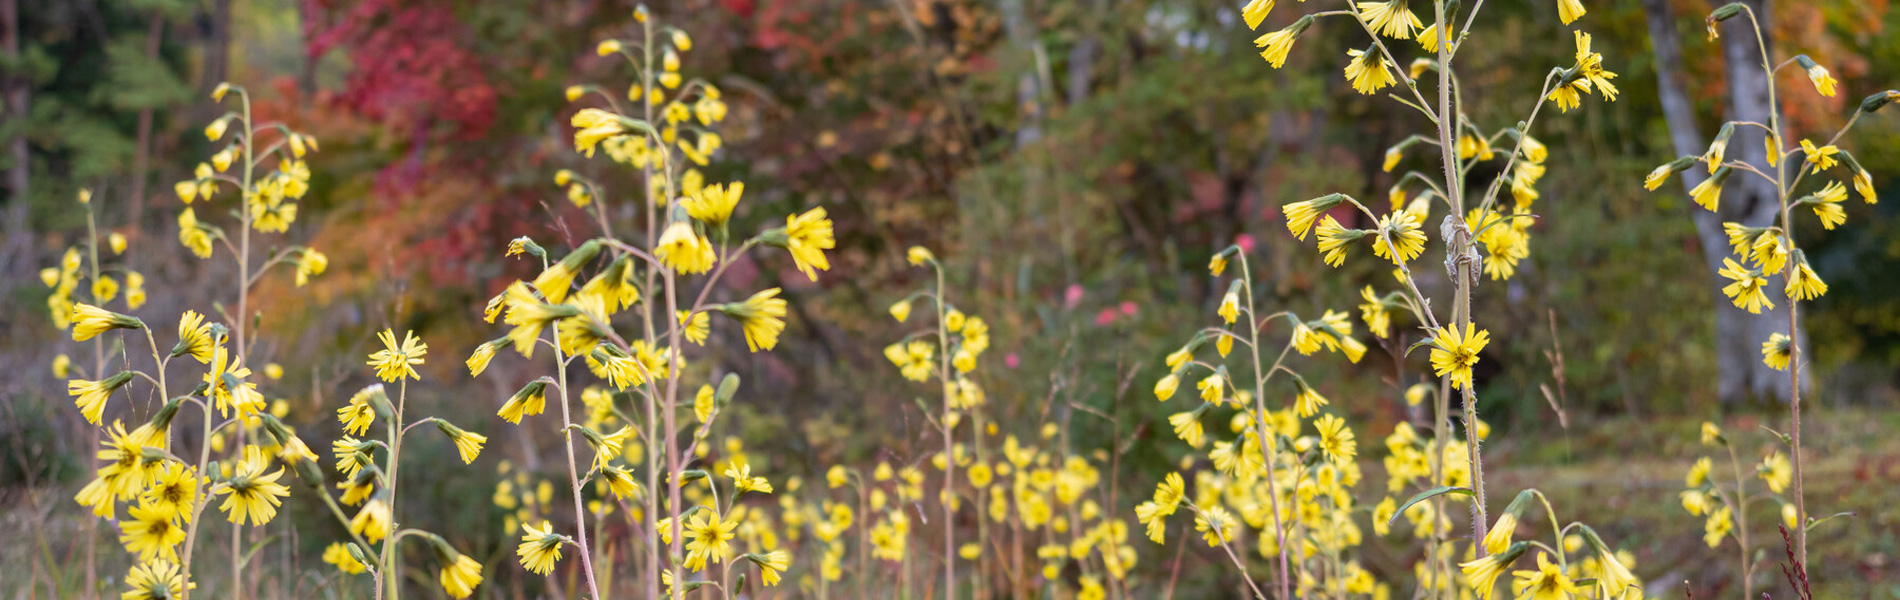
[[460, 576], [1818, 75], [807, 237], [1827, 204], [540, 548], [714, 203], [1392, 18], [762, 316], [1482, 574], [1368, 71], [1746, 287], [1277, 44], [1778, 351], [684, 250], [1453, 354], [1548, 582], [251, 495], [1823, 157], [396, 361], [1402, 230], [89, 321], [338, 553]]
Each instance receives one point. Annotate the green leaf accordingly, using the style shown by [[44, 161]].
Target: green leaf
[[1425, 495]]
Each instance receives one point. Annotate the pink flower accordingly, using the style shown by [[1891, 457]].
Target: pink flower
[[1245, 242], [1010, 360], [1073, 296], [1129, 307], [1106, 317]]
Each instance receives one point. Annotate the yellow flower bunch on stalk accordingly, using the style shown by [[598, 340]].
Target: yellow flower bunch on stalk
[[1277, 485], [246, 448], [629, 310], [1764, 250], [1483, 236]]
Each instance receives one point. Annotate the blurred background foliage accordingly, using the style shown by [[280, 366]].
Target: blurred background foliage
[[1076, 162]]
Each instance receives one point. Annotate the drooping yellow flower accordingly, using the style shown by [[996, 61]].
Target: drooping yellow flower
[[91, 396], [372, 522], [684, 250], [1278, 44], [1746, 287], [593, 126], [1368, 71], [460, 576], [808, 236], [1187, 426], [250, 495], [485, 352], [762, 316], [194, 235], [918, 255], [1373, 311], [1255, 12], [338, 554], [1569, 11], [1402, 230], [1827, 204], [467, 444], [1454, 354], [695, 327], [1300, 215], [1776, 471], [1165, 388], [1708, 194], [1215, 524], [1699, 472], [1334, 240], [540, 548], [395, 361], [358, 414], [772, 565], [1717, 526], [530, 400], [1482, 574], [1803, 284], [1818, 75], [89, 321], [1777, 351], [1308, 400], [1230, 306], [901, 310], [1213, 387], [1392, 18]]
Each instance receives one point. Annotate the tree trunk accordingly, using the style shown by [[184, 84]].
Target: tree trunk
[[1745, 198], [14, 88], [142, 154]]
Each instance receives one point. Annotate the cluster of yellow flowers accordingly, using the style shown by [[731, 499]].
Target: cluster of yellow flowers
[[630, 419], [165, 492], [1724, 509], [1308, 478], [1763, 250]]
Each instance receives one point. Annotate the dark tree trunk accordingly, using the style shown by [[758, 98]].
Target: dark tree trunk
[[142, 154], [13, 86]]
